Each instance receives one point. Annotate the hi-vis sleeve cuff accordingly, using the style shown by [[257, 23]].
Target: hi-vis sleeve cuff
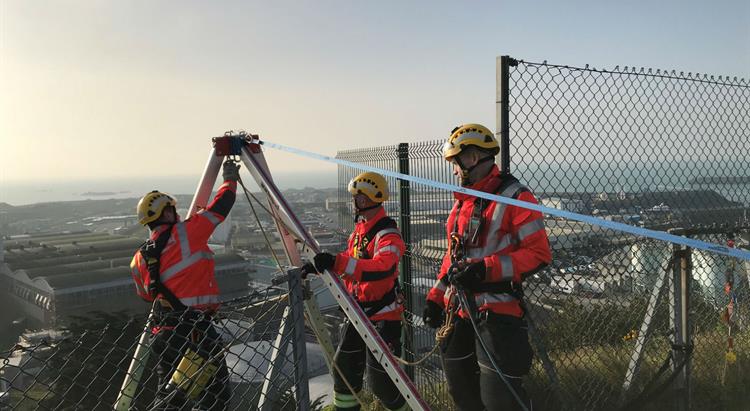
[[230, 185], [140, 288], [499, 268], [437, 292], [364, 270], [214, 218], [351, 266], [224, 200], [530, 228], [389, 249], [344, 265]]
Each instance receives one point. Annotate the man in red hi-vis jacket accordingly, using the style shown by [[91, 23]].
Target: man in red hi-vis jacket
[[500, 245], [175, 269], [369, 270]]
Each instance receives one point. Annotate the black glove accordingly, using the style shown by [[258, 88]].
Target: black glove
[[432, 315], [469, 277], [231, 171], [324, 261], [308, 268]]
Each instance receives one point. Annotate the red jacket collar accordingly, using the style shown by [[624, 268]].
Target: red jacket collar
[[488, 184], [367, 225], [156, 232]]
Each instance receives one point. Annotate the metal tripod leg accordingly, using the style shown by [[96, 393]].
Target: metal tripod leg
[[206, 184], [636, 356], [270, 393], [292, 330], [135, 372], [292, 247]]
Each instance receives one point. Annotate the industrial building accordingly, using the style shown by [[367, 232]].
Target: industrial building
[[58, 276]]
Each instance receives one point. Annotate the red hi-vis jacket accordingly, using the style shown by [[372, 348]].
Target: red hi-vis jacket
[[187, 264], [511, 240], [369, 269]]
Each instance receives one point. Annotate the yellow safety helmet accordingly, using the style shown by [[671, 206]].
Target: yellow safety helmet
[[373, 185], [470, 135], [152, 204]]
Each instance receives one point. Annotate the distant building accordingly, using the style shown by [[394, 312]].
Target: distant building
[[573, 205], [683, 206], [328, 240], [21, 368], [427, 227], [334, 204], [441, 204], [53, 277]]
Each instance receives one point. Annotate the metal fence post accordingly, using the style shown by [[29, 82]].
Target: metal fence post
[[502, 107], [299, 345], [680, 323], [406, 268]]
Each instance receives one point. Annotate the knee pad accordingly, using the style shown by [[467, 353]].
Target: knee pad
[[345, 401]]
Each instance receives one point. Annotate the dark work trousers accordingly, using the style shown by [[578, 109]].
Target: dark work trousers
[[169, 345], [472, 380], [351, 357]]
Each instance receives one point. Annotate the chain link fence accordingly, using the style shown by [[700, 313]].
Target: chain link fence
[[83, 367], [619, 143], [657, 149], [617, 320]]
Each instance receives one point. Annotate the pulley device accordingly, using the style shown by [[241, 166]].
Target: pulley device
[[232, 143]]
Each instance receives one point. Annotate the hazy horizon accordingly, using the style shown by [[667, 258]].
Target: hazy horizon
[[19, 193]]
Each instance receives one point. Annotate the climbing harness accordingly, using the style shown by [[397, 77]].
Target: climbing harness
[[457, 250]]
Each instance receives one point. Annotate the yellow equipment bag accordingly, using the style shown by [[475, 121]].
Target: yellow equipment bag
[[193, 374]]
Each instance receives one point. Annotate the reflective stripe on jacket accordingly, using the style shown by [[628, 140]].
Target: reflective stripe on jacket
[[370, 269], [187, 263], [512, 242]]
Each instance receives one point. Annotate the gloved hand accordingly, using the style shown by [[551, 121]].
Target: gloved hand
[[432, 315], [324, 261], [470, 276], [231, 171], [308, 268]]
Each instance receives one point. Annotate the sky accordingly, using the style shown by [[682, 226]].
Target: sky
[[97, 90]]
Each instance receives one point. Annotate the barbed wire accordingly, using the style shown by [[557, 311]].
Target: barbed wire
[[650, 72]]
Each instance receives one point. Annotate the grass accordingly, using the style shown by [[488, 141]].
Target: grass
[[591, 377]]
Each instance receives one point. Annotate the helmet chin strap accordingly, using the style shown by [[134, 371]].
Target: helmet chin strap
[[158, 224], [359, 211], [465, 171]]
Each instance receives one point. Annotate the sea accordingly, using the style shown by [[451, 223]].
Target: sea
[[542, 179], [109, 188]]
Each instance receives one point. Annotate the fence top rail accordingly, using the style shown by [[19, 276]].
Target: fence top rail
[[391, 150], [650, 72]]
